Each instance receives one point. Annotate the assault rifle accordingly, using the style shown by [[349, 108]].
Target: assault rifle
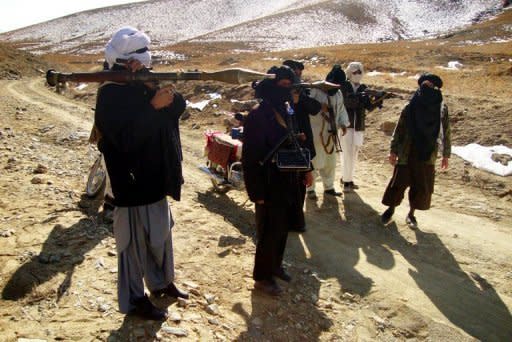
[[369, 99], [325, 86], [377, 96], [332, 130], [234, 76]]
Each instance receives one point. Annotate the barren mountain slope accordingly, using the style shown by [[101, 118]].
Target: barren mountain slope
[[267, 25]]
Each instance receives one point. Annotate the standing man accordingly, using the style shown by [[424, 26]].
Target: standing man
[[273, 191], [304, 107], [357, 104], [423, 125], [297, 68], [140, 141], [325, 136]]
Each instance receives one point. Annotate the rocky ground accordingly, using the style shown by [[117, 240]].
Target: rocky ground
[[354, 280]]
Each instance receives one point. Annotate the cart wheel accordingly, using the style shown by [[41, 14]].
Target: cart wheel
[[220, 187], [97, 178]]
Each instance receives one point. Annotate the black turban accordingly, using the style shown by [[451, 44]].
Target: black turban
[[336, 75], [283, 72], [294, 64], [436, 80]]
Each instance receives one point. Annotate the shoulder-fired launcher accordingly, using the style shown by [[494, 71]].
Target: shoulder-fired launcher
[[322, 85], [234, 76]]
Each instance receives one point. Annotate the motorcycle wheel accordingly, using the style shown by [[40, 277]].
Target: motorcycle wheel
[[97, 178]]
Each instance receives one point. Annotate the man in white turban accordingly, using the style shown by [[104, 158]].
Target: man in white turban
[[325, 145], [357, 104], [139, 139], [128, 43]]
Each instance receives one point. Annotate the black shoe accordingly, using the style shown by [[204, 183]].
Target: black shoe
[[347, 187], [311, 195], [298, 229], [283, 275], [268, 287], [353, 186], [146, 310], [171, 290], [411, 221], [386, 216], [332, 192]]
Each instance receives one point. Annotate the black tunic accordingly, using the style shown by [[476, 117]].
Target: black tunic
[[141, 145], [280, 191]]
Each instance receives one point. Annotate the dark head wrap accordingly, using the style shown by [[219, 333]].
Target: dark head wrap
[[294, 64], [283, 72], [436, 80], [424, 116], [336, 75], [270, 92]]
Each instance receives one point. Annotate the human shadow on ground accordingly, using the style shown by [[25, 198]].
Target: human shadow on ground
[[136, 329], [332, 244], [468, 301], [62, 251], [291, 316], [222, 204]]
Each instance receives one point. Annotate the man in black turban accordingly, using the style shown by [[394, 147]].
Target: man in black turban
[[422, 127], [275, 193]]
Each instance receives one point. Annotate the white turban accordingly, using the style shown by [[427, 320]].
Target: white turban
[[128, 43], [353, 66]]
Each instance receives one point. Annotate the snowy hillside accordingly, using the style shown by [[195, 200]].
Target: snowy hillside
[[269, 25]]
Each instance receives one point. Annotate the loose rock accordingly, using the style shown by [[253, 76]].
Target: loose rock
[[175, 331], [210, 299], [213, 309], [7, 233], [40, 169], [388, 127], [182, 303], [175, 317], [37, 180]]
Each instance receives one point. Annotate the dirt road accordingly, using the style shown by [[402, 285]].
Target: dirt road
[[354, 280]]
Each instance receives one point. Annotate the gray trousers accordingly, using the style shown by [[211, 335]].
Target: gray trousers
[[144, 248]]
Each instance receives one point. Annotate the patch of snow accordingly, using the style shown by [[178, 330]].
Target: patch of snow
[[198, 105], [392, 74], [81, 86], [214, 96], [202, 104], [167, 55], [395, 74], [452, 65], [480, 157], [455, 65], [497, 40]]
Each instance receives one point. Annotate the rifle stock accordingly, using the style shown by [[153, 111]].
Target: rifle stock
[[233, 76]]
